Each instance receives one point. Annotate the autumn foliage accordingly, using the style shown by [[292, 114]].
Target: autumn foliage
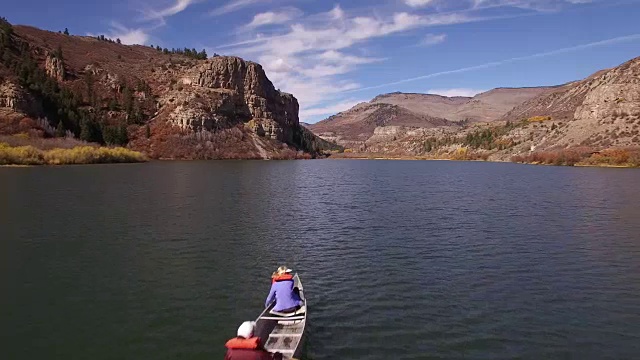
[[29, 155]]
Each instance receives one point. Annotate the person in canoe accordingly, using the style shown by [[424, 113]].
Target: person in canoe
[[283, 292], [247, 347]]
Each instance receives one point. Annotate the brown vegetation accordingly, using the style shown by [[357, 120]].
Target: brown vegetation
[[628, 157], [539, 118], [568, 157]]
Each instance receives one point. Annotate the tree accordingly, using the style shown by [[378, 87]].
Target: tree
[[60, 130], [58, 53], [127, 97], [113, 105], [118, 41], [90, 131], [66, 31], [123, 136], [89, 80]]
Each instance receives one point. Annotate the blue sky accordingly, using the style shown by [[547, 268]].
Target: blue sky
[[334, 54]]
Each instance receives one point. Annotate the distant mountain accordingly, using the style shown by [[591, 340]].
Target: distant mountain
[[357, 124], [574, 120]]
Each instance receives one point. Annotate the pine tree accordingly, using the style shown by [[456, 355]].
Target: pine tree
[[127, 97], [60, 130], [66, 31], [118, 41], [58, 53], [123, 136]]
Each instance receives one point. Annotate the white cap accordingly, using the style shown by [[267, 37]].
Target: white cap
[[288, 270], [246, 329]]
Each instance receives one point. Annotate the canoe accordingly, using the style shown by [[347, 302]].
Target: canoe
[[283, 333]]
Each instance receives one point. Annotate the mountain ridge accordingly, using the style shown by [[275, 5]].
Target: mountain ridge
[[435, 110], [598, 113]]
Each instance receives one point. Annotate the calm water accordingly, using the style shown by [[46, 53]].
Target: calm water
[[400, 260]]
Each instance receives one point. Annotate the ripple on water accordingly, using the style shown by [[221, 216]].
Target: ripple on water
[[400, 260]]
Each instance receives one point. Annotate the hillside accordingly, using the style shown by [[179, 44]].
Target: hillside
[[165, 103], [356, 125], [562, 124]]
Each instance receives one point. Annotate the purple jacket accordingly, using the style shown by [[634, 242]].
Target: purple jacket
[[282, 292]]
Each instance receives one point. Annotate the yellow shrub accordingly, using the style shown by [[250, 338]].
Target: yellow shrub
[[92, 155], [28, 155], [461, 153], [22, 136], [21, 155]]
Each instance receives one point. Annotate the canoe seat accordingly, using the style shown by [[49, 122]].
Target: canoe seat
[[302, 310]]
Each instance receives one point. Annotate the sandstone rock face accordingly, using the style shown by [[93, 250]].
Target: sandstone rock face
[[55, 67], [616, 92], [224, 91], [17, 99]]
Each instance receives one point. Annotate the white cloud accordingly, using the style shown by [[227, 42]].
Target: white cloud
[[178, 7], [536, 5], [232, 6], [308, 57], [617, 40], [433, 39], [467, 92], [273, 18], [127, 36], [418, 3]]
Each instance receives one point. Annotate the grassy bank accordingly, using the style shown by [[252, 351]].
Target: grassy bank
[[29, 155]]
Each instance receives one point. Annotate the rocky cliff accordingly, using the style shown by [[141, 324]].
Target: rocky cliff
[[226, 91], [168, 104]]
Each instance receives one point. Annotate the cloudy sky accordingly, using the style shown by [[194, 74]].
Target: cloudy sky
[[334, 54]]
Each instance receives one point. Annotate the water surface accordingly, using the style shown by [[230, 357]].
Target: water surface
[[400, 259]]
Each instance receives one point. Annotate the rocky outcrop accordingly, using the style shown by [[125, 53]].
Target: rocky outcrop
[[15, 98], [601, 111], [112, 81], [55, 67], [225, 91]]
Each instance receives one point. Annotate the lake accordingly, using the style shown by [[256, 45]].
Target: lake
[[400, 259]]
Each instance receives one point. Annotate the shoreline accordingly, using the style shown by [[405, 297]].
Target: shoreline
[[420, 158], [396, 158]]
